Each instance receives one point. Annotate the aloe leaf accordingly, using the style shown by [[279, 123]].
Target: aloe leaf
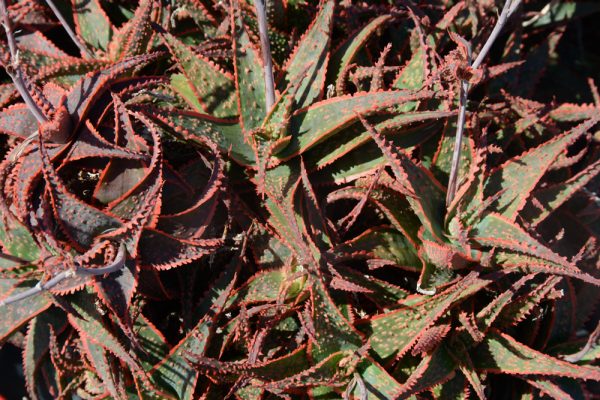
[[38, 44], [36, 348], [161, 251], [69, 72], [573, 112], [500, 353], [549, 388], [98, 357], [518, 177], [15, 315], [432, 370], [380, 292], [313, 48], [412, 76], [321, 120], [393, 206], [17, 242], [135, 37], [545, 200], [333, 332], [561, 12], [174, 372], [88, 321], [404, 130], [345, 53], [227, 134], [395, 332], [249, 81], [153, 345], [272, 370], [422, 190], [117, 289], [88, 89], [213, 88], [379, 384], [92, 23], [383, 243], [79, 221], [266, 286], [516, 247], [17, 121]]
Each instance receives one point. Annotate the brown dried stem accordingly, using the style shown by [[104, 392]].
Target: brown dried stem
[[84, 50], [507, 11], [265, 47], [13, 69]]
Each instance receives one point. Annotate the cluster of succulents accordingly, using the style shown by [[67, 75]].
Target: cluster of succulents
[[171, 227]]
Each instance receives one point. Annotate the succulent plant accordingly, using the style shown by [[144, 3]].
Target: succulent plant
[[173, 227]]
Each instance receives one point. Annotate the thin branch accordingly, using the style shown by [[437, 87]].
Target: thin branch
[[591, 342], [265, 47], [79, 271], [510, 6], [14, 70], [460, 127], [84, 50]]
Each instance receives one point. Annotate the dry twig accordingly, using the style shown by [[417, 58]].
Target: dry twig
[[507, 11]]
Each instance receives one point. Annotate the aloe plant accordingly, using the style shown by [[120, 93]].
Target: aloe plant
[[187, 214]]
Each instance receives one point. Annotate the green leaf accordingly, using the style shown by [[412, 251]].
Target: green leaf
[[404, 130], [412, 75], [321, 120], [432, 370], [333, 332], [395, 332], [250, 84], [313, 49], [545, 200], [500, 353], [15, 315], [92, 23], [562, 12], [227, 134], [88, 321], [382, 243], [214, 89], [266, 286], [98, 357], [181, 85], [345, 53], [424, 193], [37, 343], [153, 345], [379, 384], [518, 177], [174, 372], [515, 247], [17, 242]]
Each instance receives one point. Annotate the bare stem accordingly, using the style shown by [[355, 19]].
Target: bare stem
[[116, 265], [84, 50], [592, 340], [14, 70], [460, 127], [507, 11], [265, 47]]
